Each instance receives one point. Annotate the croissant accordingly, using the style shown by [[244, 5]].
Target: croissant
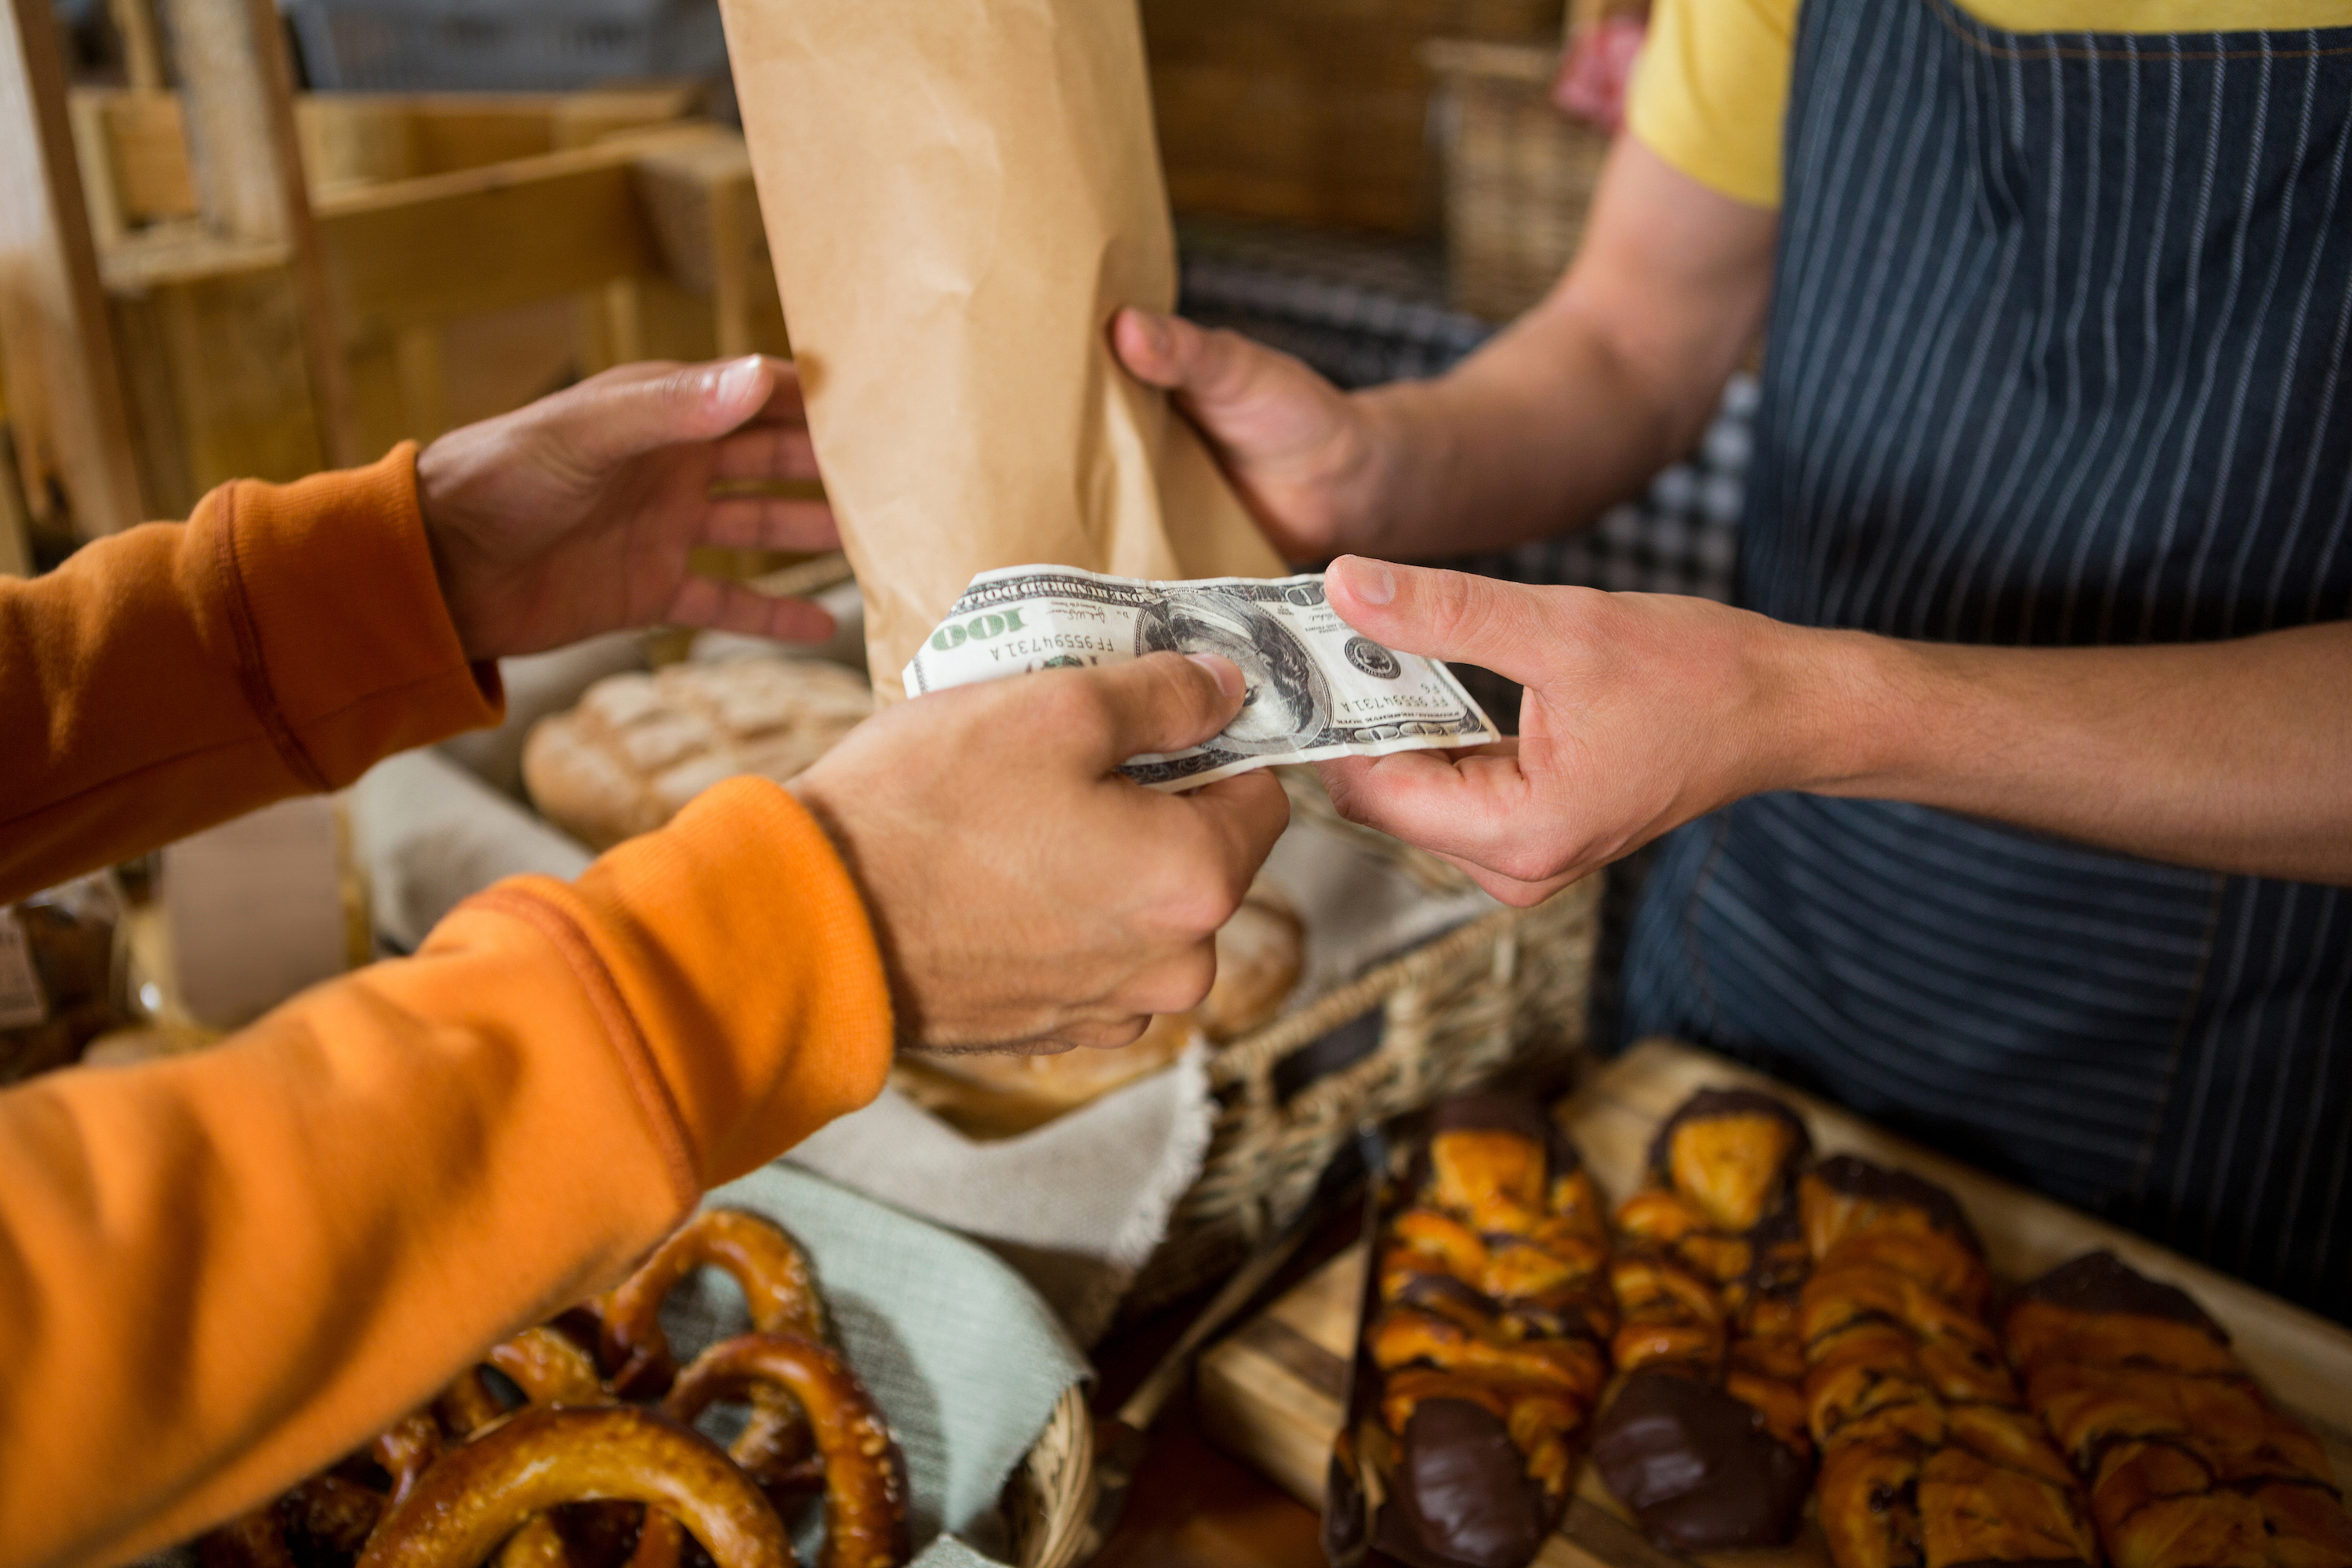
[[1705, 1440], [1488, 1338], [2188, 1465], [1929, 1457]]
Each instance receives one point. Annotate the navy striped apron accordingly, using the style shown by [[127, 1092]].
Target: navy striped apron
[[2060, 353]]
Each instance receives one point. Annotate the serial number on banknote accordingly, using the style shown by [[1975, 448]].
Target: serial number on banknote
[[1317, 688]]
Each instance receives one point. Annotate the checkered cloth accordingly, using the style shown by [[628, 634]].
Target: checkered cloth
[[1364, 311]]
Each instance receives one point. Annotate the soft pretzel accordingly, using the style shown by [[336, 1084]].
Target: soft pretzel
[[404, 1448], [328, 1509], [864, 1474], [482, 1490], [778, 1289]]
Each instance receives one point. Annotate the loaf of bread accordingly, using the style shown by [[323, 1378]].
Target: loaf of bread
[[637, 747]]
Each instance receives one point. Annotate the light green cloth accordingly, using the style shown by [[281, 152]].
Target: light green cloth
[[965, 1360]]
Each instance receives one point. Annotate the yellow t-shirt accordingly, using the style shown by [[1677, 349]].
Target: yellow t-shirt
[[1712, 85]]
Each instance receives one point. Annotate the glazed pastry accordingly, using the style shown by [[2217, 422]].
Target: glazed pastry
[[1706, 1438], [1485, 1340], [1929, 1457], [2188, 1464]]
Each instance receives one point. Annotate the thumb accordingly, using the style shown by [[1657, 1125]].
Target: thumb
[[1449, 616], [1208, 367], [618, 417], [1164, 702]]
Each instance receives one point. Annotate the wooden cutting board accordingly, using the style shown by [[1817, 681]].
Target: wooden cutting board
[[1271, 1392]]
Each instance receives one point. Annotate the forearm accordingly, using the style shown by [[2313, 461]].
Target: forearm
[[225, 1270], [281, 640], [1580, 403], [1539, 432], [2235, 756]]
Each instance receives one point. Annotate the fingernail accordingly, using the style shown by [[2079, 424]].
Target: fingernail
[[1373, 581], [1156, 334], [1228, 673], [735, 382]]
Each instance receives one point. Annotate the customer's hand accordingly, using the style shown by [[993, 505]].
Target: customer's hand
[[1304, 455], [574, 515], [1027, 897], [1643, 710]]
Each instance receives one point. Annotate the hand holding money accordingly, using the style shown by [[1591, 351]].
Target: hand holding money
[[1024, 896], [1643, 711], [1318, 688]]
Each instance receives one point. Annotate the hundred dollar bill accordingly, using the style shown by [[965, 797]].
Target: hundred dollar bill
[[1318, 688]]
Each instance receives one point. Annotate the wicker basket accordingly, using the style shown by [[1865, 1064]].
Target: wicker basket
[[1518, 174], [1510, 989]]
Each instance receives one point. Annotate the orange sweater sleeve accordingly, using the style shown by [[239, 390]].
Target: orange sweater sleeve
[[166, 678], [220, 1272]]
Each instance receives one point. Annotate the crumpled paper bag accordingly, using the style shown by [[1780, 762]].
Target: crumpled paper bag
[[959, 195]]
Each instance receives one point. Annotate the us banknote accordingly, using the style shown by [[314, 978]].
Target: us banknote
[[1318, 688]]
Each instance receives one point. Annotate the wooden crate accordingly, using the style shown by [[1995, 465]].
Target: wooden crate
[[1311, 111], [1272, 1392], [476, 255]]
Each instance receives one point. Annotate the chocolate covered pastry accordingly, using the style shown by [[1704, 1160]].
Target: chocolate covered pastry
[[1483, 1348], [1929, 1457], [1706, 1438], [2188, 1465]]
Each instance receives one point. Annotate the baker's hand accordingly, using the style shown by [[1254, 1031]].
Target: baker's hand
[[574, 515], [1304, 455], [1643, 710], [1027, 897]]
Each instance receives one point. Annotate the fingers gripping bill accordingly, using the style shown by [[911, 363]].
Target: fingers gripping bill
[[1318, 688]]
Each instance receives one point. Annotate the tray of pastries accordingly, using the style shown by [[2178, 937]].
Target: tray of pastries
[[1796, 1340]]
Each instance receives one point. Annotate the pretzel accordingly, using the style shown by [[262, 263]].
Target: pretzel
[[864, 1474], [482, 1490], [404, 1448], [778, 1289], [330, 1510]]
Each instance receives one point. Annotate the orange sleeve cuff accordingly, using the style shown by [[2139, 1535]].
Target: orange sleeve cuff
[[352, 638], [731, 956]]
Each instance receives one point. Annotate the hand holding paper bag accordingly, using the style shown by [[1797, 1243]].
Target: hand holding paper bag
[[959, 197]]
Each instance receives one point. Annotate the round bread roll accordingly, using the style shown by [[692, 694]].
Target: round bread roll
[[1260, 952], [990, 1094], [637, 747]]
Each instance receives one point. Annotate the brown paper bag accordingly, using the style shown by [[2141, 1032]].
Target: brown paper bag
[[958, 195]]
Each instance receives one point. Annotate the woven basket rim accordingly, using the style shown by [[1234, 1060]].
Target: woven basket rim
[[1479, 58], [1343, 1004]]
